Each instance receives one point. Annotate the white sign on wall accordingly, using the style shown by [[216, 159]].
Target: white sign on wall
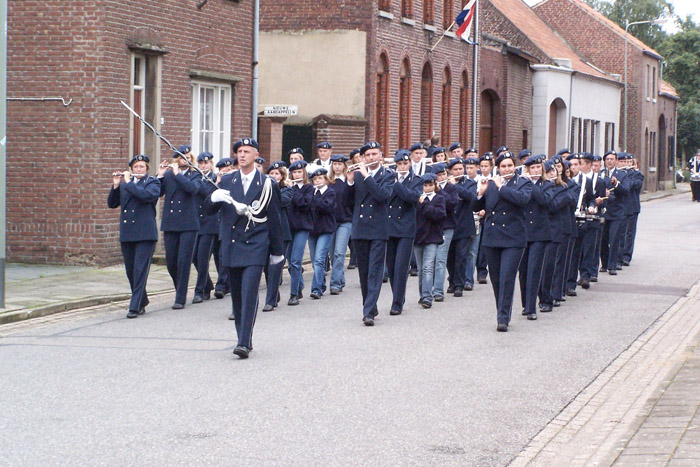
[[280, 110]]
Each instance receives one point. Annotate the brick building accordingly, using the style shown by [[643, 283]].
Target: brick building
[[188, 70], [651, 103], [365, 70]]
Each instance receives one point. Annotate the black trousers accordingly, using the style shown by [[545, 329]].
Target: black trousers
[[503, 266], [457, 262], [576, 258], [398, 258], [550, 258], [179, 250], [273, 274], [530, 275], [204, 246], [695, 190], [137, 262], [370, 266], [244, 283]]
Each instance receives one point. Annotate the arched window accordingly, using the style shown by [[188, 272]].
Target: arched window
[[447, 13], [446, 110], [407, 8], [426, 102], [405, 104], [381, 127], [464, 109], [385, 5], [428, 11]]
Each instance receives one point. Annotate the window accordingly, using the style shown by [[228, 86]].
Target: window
[[446, 111], [583, 142], [426, 103], [405, 104], [385, 5], [447, 7], [609, 136], [594, 132], [648, 83], [211, 119], [381, 128], [653, 84], [407, 8], [428, 11], [524, 139], [464, 109], [138, 103]]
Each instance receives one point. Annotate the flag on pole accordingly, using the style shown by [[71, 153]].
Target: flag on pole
[[464, 21]]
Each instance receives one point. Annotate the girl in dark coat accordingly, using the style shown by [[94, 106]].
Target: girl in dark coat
[[430, 218]]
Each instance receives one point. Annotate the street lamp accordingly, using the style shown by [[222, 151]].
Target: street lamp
[[654, 21]]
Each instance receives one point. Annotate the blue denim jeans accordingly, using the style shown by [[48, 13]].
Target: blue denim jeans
[[339, 247], [441, 263], [299, 240], [319, 245], [472, 251], [426, 259]]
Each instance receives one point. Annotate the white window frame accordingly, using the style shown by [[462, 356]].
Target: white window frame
[[141, 86], [221, 129]]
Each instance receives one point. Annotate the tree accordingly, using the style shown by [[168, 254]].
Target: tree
[[624, 12]]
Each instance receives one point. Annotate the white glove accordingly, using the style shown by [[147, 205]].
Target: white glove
[[221, 196], [274, 259]]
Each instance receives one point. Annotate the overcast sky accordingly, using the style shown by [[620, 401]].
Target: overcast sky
[[682, 8]]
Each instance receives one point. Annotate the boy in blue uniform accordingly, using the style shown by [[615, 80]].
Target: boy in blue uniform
[[615, 214], [207, 235], [137, 194], [370, 189], [636, 178], [250, 235]]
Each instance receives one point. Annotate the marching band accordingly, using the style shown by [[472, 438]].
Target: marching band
[[556, 223]]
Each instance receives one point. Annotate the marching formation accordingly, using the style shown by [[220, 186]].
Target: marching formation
[[444, 214]]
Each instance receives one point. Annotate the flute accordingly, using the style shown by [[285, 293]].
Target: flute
[[121, 174], [355, 166]]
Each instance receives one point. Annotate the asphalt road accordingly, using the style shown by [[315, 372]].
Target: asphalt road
[[430, 387]]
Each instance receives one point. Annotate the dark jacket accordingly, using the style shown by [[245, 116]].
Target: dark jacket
[[323, 212], [370, 198], [137, 218], [451, 195], [464, 212], [343, 210], [402, 206], [504, 223], [208, 224], [300, 209], [558, 213], [180, 207], [430, 218]]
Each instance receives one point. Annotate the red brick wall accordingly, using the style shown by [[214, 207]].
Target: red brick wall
[[79, 50], [345, 133]]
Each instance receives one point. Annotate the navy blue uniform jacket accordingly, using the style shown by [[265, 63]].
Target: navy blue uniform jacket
[[451, 202], [370, 198], [180, 208], [430, 218], [464, 213], [504, 223], [616, 204], [402, 206], [559, 213], [245, 243], [208, 224], [537, 212], [137, 219], [343, 210], [300, 209], [286, 195], [323, 212]]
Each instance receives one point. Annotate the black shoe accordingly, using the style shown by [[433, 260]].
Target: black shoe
[[532, 316], [301, 295], [368, 321], [458, 291], [385, 280], [207, 295], [218, 294], [468, 287], [178, 306], [594, 279], [231, 317], [426, 304], [142, 310], [481, 280], [571, 293], [132, 314], [335, 291], [450, 289], [352, 266], [197, 299], [413, 272], [585, 283], [502, 327], [394, 312], [315, 296], [556, 303], [612, 272], [625, 263], [375, 312], [562, 299], [524, 313], [242, 351], [293, 300], [268, 307], [603, 269], [545, 308], [439, 298]]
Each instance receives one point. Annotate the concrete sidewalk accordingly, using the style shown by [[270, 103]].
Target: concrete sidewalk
[[40, 290]]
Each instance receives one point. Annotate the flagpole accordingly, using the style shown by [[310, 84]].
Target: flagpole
[[475, 72], [443, 35]]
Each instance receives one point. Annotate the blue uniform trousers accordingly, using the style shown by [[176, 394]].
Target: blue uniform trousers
[[503, 266], [203, 249], [630, 235], [481, 264], [616, 231], [179, 250], [589, 259], [561, 267], [398, 259], [137, 262], [457, 261], [550, 259], [244, 283], [598, 254], [273, 274], [530, 275], [370, 266], [576, 258], [222, 280]]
